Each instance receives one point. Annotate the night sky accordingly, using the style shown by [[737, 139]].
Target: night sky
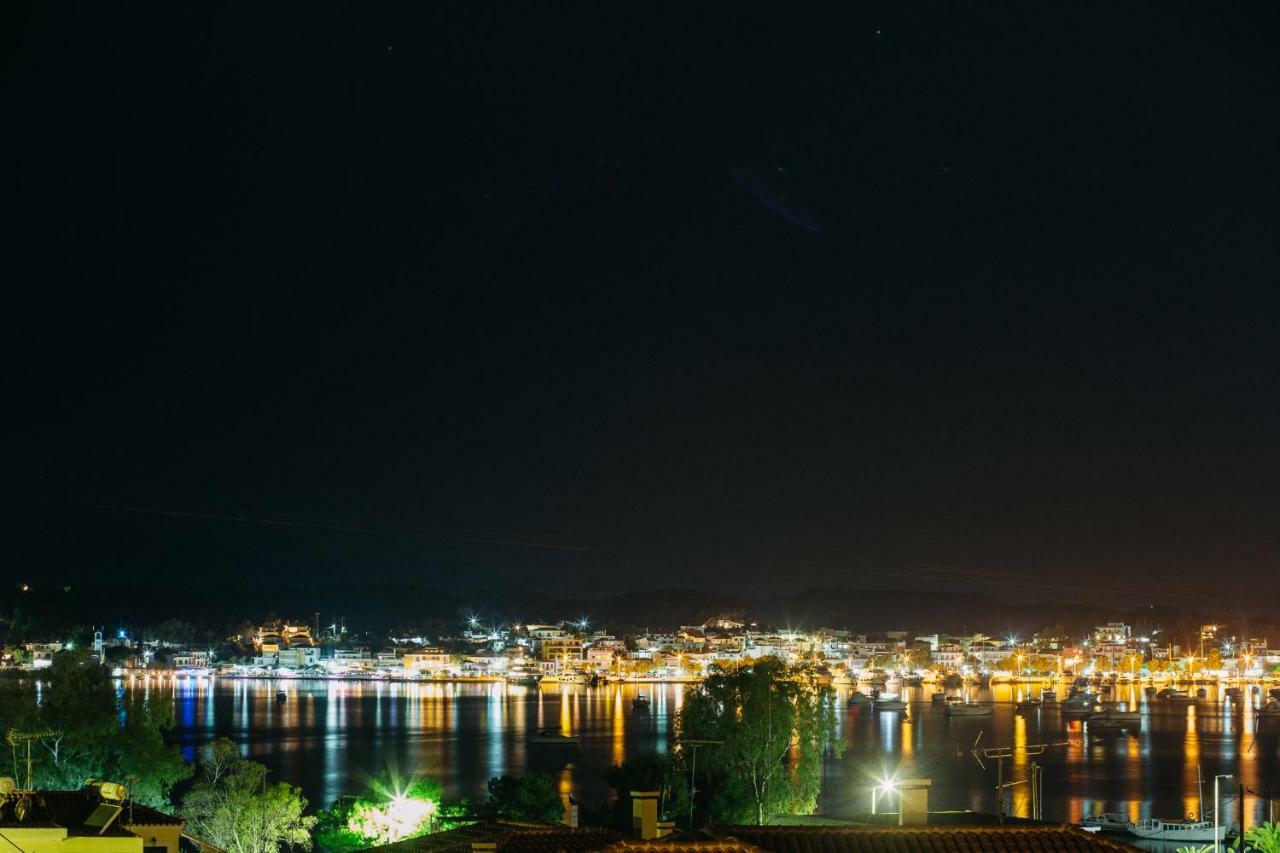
[[728, 296]]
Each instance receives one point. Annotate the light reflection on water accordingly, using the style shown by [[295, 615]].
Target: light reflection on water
[[331, 737]]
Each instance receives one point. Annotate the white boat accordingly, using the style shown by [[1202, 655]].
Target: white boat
[[1106, 822], [1177, 830], [889, 702], [962, 709]]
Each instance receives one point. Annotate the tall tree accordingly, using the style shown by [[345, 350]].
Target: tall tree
[[232, 806], [774, 723]]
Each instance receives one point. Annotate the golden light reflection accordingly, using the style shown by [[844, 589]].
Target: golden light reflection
[[1190, 775], [566, 710], [619, 728]]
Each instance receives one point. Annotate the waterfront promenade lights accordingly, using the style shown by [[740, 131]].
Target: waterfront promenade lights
[[1217, 843]]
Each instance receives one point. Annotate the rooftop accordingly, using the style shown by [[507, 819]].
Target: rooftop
[[503, 836]]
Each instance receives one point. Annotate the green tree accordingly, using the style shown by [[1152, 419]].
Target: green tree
[[774, 724], [93, 734], [531, 797], [650, 772], [385, 812], [232, 806], [142, 758]]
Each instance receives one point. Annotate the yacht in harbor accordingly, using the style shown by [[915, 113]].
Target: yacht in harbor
[[1198, 831]]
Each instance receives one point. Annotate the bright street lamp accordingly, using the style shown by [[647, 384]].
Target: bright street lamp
[[1217, 842]]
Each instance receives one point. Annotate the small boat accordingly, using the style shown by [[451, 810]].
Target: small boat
[[963, 709], [281, 697], [1027, 705], [1271, 709], [640, 704], [1115, 714], [1049, 697], [913, 681], [938, 698], [857, 699], [551, 737], [1080, 703], [1106, 822], [1177, 830], [889, 702], [1177, 697]]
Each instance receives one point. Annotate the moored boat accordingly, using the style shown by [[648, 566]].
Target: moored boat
[[965, 709], [890, 702], [1177, 830], [1106, 822]]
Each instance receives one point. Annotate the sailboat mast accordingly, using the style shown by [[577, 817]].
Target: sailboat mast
[[1200, 794]]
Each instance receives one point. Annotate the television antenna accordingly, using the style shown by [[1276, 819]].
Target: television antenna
[[1034, 779], [15, 737]]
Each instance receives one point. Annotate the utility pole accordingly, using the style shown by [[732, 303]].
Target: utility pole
[[1000, 753], [693, 769]]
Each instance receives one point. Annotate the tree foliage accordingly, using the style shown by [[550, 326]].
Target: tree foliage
[[232, 806], [386, 811], [651, 772], [94, 732], [774, 724], [531, 797]]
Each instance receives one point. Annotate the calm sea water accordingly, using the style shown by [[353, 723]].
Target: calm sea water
[[331, 737]]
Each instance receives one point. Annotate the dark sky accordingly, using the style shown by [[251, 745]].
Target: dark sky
[[721, 295]]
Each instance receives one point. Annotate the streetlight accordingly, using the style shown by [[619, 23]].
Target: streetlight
[[1216, 840]]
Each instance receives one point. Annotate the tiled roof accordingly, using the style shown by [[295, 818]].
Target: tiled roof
[[519, 837], [924, 839], [140, 815], [510, 836], [70, 809]]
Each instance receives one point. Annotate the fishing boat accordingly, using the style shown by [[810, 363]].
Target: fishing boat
[[551, 737], [964, 709], [640, 704], [890, 702], [1106, 822]]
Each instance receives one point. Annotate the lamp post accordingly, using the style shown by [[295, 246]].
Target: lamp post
[[1217, 842]]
